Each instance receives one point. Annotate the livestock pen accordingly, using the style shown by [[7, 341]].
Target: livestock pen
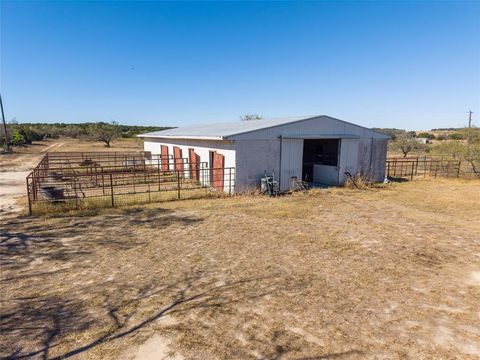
[[74, 180], [430, 166]]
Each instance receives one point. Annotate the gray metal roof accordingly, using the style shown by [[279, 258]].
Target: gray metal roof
[[220, 131], [322, 136]]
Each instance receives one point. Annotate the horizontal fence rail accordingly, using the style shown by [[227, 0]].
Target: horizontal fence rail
[[410, 167], [55, 186], [82, 180]]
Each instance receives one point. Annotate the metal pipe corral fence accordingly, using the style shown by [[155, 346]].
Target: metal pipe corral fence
[[410, 167], [67, 181]]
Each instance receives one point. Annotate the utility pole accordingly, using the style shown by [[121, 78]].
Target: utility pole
[[470, 118], [7, 142]]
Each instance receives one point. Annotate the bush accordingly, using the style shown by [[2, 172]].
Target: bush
[[17, 138], [358, 182], [426, 135], [456, 136]]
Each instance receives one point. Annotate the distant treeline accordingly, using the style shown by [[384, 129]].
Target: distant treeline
[[394, 133], [456, 134], [25, 133], [446, 129]]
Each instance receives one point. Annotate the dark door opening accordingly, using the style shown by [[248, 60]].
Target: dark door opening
[[318, 151]]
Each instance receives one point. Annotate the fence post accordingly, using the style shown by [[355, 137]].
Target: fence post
[[230, 181], [144, 171], [149, 196], [29, 200], [413, 166], [458, 169], [178, 184], [34, 185], [134, 180], [75, 190], [416, 166], [111, 190], [103, 182], [158, 173]]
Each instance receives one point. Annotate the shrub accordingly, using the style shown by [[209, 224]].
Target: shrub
[[17, 138], [426, 135], [358, 182], [456, 136]]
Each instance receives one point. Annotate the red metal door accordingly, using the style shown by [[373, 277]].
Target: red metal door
[[164, 156], [194, 164], [177, 158], [217, 171]]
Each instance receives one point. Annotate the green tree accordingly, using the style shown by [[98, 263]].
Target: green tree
[[17, 138], [249, 117], [105, 132], [405, 143]]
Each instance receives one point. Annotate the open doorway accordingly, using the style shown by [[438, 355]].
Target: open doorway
[[320, 160]]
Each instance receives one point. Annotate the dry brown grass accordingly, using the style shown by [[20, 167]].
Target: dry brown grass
[[120, 144], [381, 273], [26, 157]]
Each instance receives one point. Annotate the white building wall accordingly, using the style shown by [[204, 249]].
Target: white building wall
[[201, 147], [253, 159]]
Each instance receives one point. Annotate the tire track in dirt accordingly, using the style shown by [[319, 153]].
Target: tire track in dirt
[[12, 179]]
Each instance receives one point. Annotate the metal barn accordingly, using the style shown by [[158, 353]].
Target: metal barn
[[318, 149]]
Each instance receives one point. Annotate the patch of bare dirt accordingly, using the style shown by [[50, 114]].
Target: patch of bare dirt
[[15, 167], [372, 274]]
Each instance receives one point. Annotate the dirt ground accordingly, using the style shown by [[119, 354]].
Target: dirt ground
[[386, 273], [15, 167]]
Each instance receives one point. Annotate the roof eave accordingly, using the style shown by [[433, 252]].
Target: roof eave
[[185, 137]]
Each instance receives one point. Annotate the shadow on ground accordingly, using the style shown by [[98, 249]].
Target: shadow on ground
[[23, 241], [45, 319]]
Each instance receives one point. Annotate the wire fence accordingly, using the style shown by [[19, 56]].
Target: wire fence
[[86, 180], [66, 181], [410, 167]]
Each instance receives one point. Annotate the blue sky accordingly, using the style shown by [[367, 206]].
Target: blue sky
[[412, 65]]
